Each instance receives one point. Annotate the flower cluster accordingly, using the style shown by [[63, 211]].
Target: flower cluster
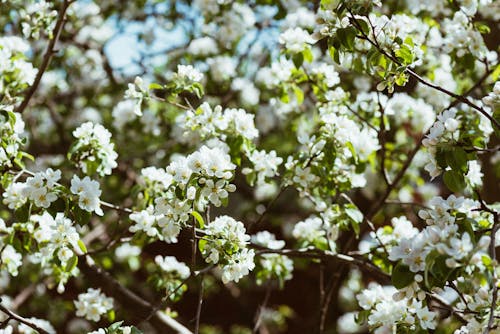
[[93, 304], [11, 135], [170, 275], [188, 73], [58, 240], [311, 232], [145, 221], [296, 40], [231, 22], [386, 313], [11, 259], [136, 92], [446, 250], [265, 165], [124, 113], [169, 265], [445, 129], [225, 244], [203, 46], [41, 189], [88, 193], [345, 132], [93, 151], [214, 122], [117, 328], [462, 37], [38, 17], [272, 266], [195, 181], [16, 73]]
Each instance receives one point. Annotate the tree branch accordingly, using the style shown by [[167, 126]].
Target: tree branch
[[48, 55], [128, 299], [23, 320]]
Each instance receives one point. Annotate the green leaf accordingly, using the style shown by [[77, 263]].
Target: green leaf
[[355, 226], [201, 244], [482, 28], [364, 26], [441, 154], [299, 94], [17, 244], [401, 276], [82, 246], [468, 61], [405, 55], [198, 218], [298, 59], [28, 156], [454, 180], [71, 264], [440, 271], [457, 159], [111, 315], [308, 56], [114, 327], [351, 148], [321, 243], [334, 54], [135, 330], [487, 262], [250, 177], [23, 213], [354, 214], [155, 85], [347, 36]]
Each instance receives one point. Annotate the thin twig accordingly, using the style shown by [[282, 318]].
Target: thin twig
[[47, 56], [326, 303], [268, 206], [198, 309], [323, 306], [382, 140], [363, 264], [258, 315], [396, 202]]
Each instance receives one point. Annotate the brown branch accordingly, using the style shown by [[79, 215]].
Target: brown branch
[[23, 320], [48, 55], [363, 265], [258, 315], [486, 74], [438, 299], [128, 299], [198, 309], [326, 303], [457, 97], [492, 252]]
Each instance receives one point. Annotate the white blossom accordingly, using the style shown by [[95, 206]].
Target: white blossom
[[93, 304]]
